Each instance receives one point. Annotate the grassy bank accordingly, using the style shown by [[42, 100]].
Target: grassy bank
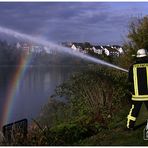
[[116, 135]]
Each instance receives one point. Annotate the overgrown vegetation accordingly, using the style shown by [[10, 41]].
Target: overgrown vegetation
[[137, 38], [92, 100]]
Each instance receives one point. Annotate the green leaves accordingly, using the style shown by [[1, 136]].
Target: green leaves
[[137, 38], [94, 92]]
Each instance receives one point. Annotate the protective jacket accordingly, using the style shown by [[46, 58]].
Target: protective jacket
[[138, 78]]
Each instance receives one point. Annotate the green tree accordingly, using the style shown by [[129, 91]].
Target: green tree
[[137, 38]]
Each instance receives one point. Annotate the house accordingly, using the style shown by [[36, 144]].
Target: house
[[114, 52], [119, 48], [105, 50], [77, 47], [26, 48], [36, 48], [18, 45], [109, 51], [87, 47], [81, 47], [97, 49]]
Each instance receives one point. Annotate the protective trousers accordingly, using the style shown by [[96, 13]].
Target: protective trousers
[[134, 112]]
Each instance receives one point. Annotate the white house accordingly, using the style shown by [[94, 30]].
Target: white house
[[77, 47], [97, 49], [119, 48], [110, 50], [105, 50], [74, 47], [36, 48], [18, 45]]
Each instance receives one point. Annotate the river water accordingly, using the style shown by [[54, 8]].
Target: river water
[[37, 85]]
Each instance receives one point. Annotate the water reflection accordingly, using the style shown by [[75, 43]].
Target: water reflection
[[35, 88]]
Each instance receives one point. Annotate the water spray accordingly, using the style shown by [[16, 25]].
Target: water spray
[[56, 47]]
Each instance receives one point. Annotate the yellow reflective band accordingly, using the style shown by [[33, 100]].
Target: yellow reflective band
[[136, 96], [131, 118], [128, 121], [147, 75], [135, 80], [141, 65], [140, 99], [140, 96]]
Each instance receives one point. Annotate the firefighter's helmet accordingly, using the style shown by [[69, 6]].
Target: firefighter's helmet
[[141, 53]]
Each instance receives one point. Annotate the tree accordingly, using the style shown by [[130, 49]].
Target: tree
[[138, 33], [137, 38]]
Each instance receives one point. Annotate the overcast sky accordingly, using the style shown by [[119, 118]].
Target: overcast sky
[[96, 22]]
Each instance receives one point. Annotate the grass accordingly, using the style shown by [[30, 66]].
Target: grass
[[83, 133], [116, 134]]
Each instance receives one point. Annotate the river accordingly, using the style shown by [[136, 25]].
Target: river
[[36, 86]]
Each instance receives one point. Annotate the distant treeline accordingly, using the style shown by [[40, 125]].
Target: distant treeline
[[9, 55]]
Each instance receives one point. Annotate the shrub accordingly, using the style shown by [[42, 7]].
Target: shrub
[[97, 92]]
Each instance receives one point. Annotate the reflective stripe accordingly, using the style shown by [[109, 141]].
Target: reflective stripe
[[129, 117], [141, 65], [140, 96], [137, 96], [135, 80], [147, 75], [140, 99]]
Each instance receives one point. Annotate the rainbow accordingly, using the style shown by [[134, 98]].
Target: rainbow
[[13, 87]]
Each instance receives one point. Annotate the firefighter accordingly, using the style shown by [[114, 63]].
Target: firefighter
[[138, 79]]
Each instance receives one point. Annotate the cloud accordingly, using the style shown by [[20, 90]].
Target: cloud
[[61, 21]]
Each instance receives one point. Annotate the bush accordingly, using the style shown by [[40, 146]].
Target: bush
[[97, 93], [64, 133], [137, 38]]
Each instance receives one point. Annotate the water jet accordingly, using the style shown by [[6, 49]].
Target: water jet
[[56, 47]]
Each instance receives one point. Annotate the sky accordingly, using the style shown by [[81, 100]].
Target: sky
[[95, 22]]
